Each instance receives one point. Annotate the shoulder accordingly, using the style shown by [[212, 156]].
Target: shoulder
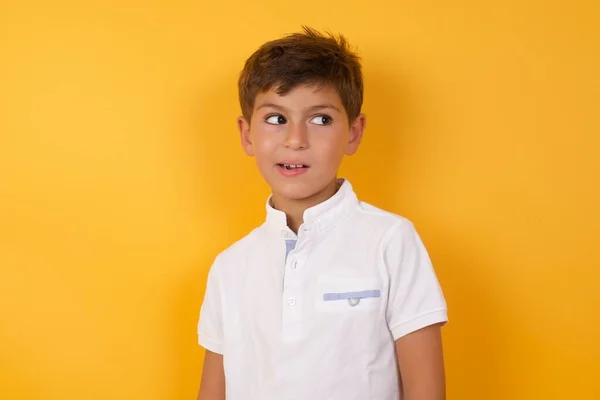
[[400, 244], [395, 236], [234, 253], [240, 246], [384, 222]]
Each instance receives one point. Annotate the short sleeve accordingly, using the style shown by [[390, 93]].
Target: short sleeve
[[415, 296], [210, 324]]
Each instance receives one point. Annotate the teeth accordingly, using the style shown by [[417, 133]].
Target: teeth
[[292, 166]]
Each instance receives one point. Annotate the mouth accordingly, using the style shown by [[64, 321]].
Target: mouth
[[291, 167]]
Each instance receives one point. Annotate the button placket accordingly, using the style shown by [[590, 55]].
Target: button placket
[[293, 291]]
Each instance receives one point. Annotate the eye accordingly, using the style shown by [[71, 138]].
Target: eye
[[322, 120], [275, 119]]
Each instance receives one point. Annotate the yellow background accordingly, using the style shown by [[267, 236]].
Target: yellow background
[[121, 177]]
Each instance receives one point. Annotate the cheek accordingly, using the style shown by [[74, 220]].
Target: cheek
[[330, 146], [264, 145]]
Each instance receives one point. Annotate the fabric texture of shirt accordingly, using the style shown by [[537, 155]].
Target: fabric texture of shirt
[[315, 315]]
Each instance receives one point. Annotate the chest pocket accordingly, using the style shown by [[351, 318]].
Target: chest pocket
[[348, 294]]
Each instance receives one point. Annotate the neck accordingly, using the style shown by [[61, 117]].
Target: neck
[[294, 208]]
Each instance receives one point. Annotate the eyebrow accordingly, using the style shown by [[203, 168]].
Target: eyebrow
[[312, 108]]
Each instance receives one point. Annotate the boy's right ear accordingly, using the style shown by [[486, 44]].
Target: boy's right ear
[[245, 137]]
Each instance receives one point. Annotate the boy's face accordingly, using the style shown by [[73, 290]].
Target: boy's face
[[299, 140]]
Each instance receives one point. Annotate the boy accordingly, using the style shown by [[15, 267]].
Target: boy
[[330, 298]]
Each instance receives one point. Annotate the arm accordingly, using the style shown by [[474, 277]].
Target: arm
[[416, 312], [211, 337], [421, 364], [212, 386]]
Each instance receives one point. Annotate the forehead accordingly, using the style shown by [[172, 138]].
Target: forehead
[[301, 97]]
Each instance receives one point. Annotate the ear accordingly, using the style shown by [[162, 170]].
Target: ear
[[356, 133], [245, 137]]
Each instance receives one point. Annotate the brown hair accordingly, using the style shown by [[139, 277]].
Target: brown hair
[[303, 58]]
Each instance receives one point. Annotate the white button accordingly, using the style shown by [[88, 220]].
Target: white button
[[353, 301], [291, 301], [295, 265]]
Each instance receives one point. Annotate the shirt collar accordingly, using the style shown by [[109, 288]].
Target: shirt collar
[[318, 218]]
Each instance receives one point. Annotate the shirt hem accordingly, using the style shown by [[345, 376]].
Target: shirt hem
[[210, 345], [431, 318]]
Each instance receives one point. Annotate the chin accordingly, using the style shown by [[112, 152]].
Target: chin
[[295, 191], [298, 190]]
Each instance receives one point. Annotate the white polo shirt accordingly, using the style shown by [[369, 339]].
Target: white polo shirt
[[314, 316]]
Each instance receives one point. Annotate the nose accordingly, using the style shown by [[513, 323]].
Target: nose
[[296, 136]]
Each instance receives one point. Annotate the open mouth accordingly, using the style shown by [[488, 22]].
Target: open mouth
[[290, 167]]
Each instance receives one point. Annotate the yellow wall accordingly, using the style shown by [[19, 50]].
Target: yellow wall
[[121, 177]]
